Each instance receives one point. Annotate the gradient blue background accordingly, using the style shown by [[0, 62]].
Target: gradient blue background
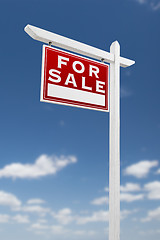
[[29, 128]]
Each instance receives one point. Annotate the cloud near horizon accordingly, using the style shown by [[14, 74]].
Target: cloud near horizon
[[8, 199], [43, 166], [152, 215]]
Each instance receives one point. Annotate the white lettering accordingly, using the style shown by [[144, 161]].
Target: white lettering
[[71, 79], [61, 62], [84, 84], [77, 70], [99, 86], [52, 73], [93, 69]]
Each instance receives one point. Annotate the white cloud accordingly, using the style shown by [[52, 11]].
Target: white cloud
[[153, 189], [21, 218], [99, 216], [152, 215], [100, 201], [8, 199], [130, 187], [140, 169], [64, 216], [125, 194], [35, 201], [4, 218], [44, 165], [33, 209], [58, 229], [39, 226], [127, 197]]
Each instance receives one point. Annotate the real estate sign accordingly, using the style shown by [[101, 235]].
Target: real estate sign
[[73, 80]]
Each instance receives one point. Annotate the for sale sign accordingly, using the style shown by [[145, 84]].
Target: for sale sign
[[70, 79]]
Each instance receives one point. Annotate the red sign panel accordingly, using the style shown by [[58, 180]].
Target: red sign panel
[[70, 79]]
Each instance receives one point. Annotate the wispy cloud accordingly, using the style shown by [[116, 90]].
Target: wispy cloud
[[152, 4], [35, 201], [141, 1], [99, 216], [33, 209], [124, 197], [43, 166], [125, 92], [127, 197], [130, 187], [83, 232], [150, 232], [61, 123], [21, 218], [4, 218], [65, 216], [125, 213], [58, 229], [155, 6], [150, 190], [152, 215], [158, 171], [100, 201], [39, 226], [140, 169]]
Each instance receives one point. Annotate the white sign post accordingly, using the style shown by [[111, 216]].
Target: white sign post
[[116, 61], [114, 145]]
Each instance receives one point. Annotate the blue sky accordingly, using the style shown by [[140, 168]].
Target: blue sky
[[54, 159]]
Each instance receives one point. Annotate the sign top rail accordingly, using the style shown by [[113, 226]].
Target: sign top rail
[[74, 46]]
